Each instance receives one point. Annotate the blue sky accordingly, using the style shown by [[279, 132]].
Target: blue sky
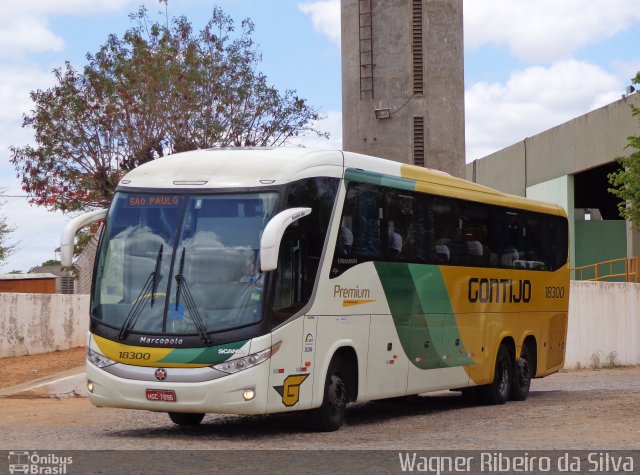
[[529, 65]]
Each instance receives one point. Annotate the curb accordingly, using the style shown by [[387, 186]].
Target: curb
[[66, 384]]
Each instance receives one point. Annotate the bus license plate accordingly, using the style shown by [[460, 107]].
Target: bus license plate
[[162, 395]]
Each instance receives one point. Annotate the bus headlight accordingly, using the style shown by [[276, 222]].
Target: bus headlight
[[97, 359], [246, 362]]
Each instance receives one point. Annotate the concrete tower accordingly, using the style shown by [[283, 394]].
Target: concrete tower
[[403, 81]]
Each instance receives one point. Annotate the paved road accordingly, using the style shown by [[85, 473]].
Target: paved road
[[595, 410]]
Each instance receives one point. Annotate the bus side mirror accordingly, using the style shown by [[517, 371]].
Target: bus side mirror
[[272, 235], [69, 233]]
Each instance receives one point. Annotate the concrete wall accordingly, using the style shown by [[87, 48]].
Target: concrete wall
[[441, 104], [504, 171], [39, 323], [604, 320], [585, 142], [599, 241]]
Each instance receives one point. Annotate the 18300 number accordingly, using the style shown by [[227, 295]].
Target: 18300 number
[[554, 292], [133, 355]]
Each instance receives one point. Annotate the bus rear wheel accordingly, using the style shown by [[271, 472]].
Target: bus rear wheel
[[522, 370], [330, 415], [498, 392], [186, 418]]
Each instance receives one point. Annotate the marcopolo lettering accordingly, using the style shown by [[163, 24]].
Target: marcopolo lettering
[[160, 341], [499, 290]]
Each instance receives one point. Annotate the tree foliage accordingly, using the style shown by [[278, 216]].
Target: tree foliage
[[6, 249], [626, 182], [159, 89]]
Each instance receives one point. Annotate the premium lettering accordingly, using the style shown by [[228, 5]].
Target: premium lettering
[[351, 293], [499, 290]]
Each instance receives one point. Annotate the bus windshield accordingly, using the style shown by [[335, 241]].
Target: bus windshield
[[180, 264]]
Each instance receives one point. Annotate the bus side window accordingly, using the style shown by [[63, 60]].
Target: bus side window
[[513, 249], [366, 224], [399, 217]]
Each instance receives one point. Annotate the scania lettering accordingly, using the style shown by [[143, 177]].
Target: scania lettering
[[257, 281]]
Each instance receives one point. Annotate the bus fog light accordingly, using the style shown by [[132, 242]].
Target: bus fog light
[[90, 386], [248, 394]]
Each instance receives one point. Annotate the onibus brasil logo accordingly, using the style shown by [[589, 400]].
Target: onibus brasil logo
[[23, 461]]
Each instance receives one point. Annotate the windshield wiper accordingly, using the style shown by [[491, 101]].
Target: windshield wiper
[[183, 289], [149, 288]]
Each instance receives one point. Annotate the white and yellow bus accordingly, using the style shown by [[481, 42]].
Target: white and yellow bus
[[254, 281]]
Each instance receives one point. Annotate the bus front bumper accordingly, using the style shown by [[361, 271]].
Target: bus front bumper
[[226, 395]]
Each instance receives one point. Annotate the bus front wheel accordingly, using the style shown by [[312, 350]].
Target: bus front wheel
[[498, 392], [186, 418], [330, 415]]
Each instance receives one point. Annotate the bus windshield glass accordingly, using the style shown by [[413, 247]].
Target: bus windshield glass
[[176, 264]]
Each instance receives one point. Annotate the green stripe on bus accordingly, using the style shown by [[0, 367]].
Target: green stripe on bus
[[422, 314], [352, 174]]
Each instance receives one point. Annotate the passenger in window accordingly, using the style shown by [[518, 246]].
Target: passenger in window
[[474, 248], [409, 251], [346, 237], [477, 253], [443, 254], [510, 255], [395, 241]]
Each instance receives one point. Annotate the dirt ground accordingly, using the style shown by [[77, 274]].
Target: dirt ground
[[577, 410], [22, 369]]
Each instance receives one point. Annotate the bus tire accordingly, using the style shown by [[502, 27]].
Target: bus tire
[[186, 418], [499, 391], [330, 415], [522, 370]]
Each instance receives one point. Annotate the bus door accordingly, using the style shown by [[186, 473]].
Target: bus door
[[287, 283], [387, 363]]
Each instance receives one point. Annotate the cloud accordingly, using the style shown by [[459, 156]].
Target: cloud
[[15, 84], [37, 232], [24, 25], [64, 7], [331, 123], [27, 34], [325, 16], [545, 31], [533, 100]]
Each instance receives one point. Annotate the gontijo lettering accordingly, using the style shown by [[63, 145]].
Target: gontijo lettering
[[499, 290]]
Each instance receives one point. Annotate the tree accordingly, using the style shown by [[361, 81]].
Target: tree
[[49, 263], [6, 249], [626, 181], [160, 89]]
